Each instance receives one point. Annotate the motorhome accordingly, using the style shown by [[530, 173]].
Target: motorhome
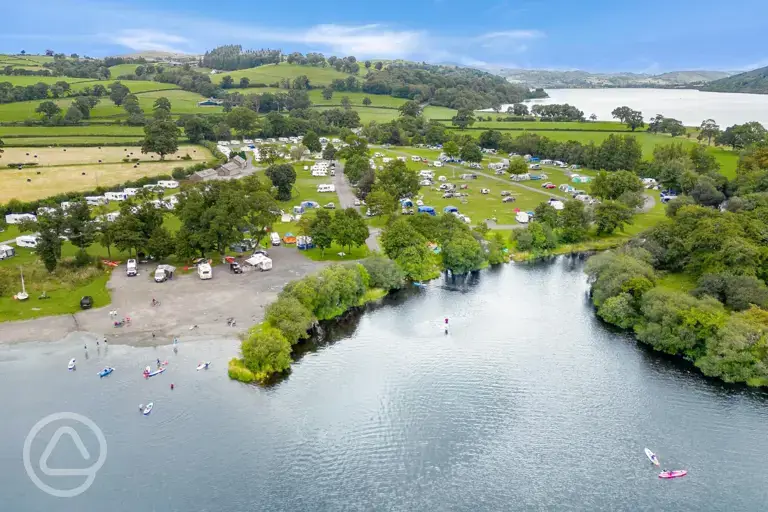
[[204, 271], [96, 200], [326, 188], [437, 163], [131, 268], [274, 237], [18, 218], [415, 158], [28, 241], [260, 262], [116, 196]]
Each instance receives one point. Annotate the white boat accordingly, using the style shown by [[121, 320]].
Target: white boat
[[148, 408], [71, 365], [652, 457], [203, 366]]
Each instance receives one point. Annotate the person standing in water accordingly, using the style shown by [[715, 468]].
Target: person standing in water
[[446, 325]]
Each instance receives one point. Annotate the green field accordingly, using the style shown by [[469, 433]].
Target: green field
[[23, 81], [538, 125], [182, 102], [56, 131], [122, 69], [55, 140], [431, 112], [368, 114], [377, 100], [271, 73]]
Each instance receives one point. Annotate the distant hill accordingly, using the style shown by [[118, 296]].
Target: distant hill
[[755, 81], [583, 79]]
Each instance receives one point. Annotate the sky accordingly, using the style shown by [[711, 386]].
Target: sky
[[650, 36]]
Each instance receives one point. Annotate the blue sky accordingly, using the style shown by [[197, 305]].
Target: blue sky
[[595, 35]]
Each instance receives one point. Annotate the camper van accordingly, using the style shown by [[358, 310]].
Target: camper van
[[274, 238], [204, 271], [131, 269], [29, 241], [522, 217]]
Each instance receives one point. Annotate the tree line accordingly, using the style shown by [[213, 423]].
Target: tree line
[[231, 57]]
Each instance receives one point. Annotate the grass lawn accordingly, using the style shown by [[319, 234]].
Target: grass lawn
[[377, 100], [122, 69], [271, 73], [135, 86], [333, 253], [677, 282], [57, 131], [431, 112], [367, 114], [49, 141], [538, 125]]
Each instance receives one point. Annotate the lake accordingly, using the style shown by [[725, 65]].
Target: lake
[[529, 403], [689, 106]]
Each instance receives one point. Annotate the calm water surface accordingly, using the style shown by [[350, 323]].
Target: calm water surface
[[689, 106], [528, 404]]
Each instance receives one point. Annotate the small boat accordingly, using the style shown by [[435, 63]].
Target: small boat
[[106, 371], [156, 372], [652, 456], [204, 366], [673, 474], [148, 408], [71, 365]]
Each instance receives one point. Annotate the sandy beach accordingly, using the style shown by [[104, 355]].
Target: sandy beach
[[185, 301]]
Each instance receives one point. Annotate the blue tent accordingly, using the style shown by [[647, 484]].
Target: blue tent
[[427, 209], [406, 203], [450, 209]]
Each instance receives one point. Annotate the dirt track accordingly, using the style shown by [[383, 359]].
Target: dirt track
[[184, 301]]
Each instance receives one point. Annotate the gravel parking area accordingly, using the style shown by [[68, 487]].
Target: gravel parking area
[[185, 301]]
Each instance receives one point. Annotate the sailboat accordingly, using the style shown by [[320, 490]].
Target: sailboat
[[22, 295]]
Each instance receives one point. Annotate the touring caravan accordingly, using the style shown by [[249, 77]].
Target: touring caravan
[[326, 188], [6, 251], [18, 218], [319, 173], [116, 196], [29, 241], [130, 192], [96, 200], [168, 183], [204, 271]]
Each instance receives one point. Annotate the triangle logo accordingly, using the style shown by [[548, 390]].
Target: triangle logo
[[72, 433]]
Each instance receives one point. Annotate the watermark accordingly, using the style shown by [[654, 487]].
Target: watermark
[[89, 473]]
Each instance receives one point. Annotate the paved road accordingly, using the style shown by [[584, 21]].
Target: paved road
[[347, 200]]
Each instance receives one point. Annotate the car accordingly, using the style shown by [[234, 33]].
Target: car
[[549, 185], [357, 202], [261, 251], [330, 206], [131, 268], [485, 191], [505, 193], [86, 302], [509, 199]]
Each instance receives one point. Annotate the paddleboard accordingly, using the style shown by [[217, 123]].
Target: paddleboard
[[673, 474], [71, 365], [203, 366], [156, 372], [148, 408], [652, 457], [106, 371]]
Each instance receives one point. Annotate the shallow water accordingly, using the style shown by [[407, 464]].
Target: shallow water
[[528, 403], [687, 105]]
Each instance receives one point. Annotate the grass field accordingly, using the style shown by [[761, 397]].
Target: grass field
[[23, 81], [431, 112], [271, 73], [56, 131], [537, 125], [78, 169], [51, 141], [182, 102], [377, 100], [122, 69], [367, 114]]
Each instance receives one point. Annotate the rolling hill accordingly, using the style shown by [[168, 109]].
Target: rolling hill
[[271, 73], [583, 79], [755, 81]]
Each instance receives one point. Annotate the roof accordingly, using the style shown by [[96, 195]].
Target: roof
[[239, 160], [229, 169], [205, 173]]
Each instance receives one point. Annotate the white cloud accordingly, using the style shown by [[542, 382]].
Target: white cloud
[[146, 40], [511, 35]]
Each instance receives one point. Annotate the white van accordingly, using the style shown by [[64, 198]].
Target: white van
[[131, 269], [204, 271], [275, 238]]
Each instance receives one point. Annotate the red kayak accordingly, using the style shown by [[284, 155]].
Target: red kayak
[[673, 474]]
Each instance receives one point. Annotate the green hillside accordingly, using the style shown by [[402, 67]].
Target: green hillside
[[122, 69], [272, 73], [755, 81]]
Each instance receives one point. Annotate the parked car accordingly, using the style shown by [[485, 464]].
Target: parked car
[[509, 199], [86, 302], [357, 202], [549, 185], [505, 193], [330, 206], [485, 191], [131, 268]]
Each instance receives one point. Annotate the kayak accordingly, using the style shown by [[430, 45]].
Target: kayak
[[148, 408], [652, 456], [156, 372], [106, 371], [673, 474], [203, 366], [71, 365]]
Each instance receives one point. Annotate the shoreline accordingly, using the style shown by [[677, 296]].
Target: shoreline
[[185, 301]]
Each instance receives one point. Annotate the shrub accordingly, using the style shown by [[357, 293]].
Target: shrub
[[22, 164], [238, 371], [384, 273], [265, 352], [289, 316], [82, 258]]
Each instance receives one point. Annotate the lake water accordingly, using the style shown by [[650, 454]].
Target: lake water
[[689, 106], [529, 403]]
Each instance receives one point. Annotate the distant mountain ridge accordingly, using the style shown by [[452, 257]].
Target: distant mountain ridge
[[755, 81], [584, 79]]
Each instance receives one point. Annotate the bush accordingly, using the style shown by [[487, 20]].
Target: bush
[[384, 273], [238, 371], [265, 352], [289, 316], [82, 258], [186, 157]]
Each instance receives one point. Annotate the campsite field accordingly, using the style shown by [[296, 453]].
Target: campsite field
[[78, 169], [271, 73]]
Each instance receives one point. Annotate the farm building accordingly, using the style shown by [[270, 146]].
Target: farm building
[[205, 174]]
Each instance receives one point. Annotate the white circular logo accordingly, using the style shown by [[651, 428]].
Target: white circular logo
[[89, 473]]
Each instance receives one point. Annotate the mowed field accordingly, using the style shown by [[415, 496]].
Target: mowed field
[[377, 100], [271, 73], [368, 114], [122, 69], [182, 102], [79, 169]]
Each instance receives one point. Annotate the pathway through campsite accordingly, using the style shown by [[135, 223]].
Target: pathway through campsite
[[347, 200]]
